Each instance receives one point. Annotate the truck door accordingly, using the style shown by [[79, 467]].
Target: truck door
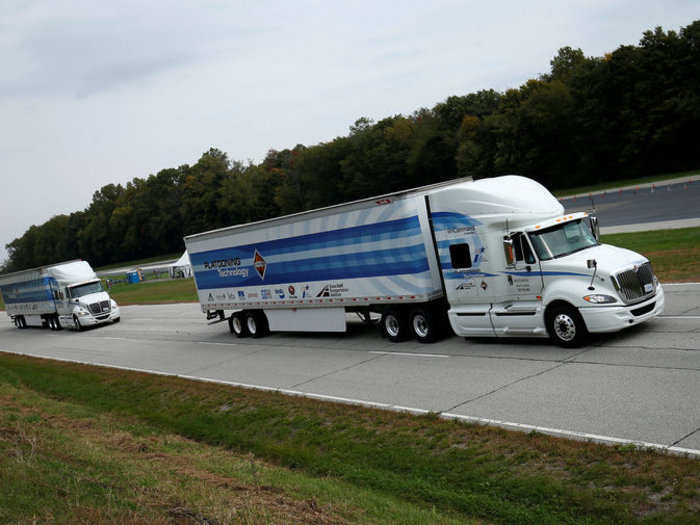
[[520, 311]]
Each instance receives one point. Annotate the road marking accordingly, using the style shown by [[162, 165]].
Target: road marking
[[678, 284], [679, 317], [407, 354], [508, 425]]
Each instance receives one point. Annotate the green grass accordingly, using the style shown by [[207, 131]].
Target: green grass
[[674, 254], [63, 462], [152, 292], [443, 468], [623, 183]]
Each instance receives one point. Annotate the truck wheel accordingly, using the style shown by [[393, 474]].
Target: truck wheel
[[256, 323], [76, 324], [238, 326], [566, 326], [424, 325], [57, 323], [20, 321], [394, 325]]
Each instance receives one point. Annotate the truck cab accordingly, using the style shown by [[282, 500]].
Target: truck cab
[[84, 304], [533, 271]]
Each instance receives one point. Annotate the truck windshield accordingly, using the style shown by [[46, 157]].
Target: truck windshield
[[562, 240], [85, 289]]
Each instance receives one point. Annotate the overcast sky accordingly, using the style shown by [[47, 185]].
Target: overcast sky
[[98, 92]]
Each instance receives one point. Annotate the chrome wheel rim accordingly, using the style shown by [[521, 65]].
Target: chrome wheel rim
[[420, 326], [252, 328], [237, 326], [564, 327], [392, 325]]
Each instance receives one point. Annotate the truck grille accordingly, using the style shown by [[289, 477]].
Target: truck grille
[[98, 308], [632, 283]]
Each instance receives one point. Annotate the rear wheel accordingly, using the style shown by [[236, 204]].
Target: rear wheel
[[256, 324], [238, 325], [57, 323], [394, 325], [424, 325], [566, 326]]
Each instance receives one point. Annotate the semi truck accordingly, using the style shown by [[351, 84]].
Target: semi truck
[[495, 257], [67, 294]]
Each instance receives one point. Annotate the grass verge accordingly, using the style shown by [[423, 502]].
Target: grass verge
[[674, 254], [443, 470], [623, 183], [155, 292]]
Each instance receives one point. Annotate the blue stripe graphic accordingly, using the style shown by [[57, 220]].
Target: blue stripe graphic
[[331, 239], [399, 260], [34, 291]]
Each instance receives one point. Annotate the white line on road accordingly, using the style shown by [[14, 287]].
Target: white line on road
[[508, 425], [679, 317], [407, 354]]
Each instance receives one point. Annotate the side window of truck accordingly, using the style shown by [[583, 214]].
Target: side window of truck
[[460, 256], [523, 252]]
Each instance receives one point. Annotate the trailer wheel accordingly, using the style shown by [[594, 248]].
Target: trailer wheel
[[394, 325], [566, 326], [76, 324], [424, 325], [238, 326], [57, 323], [20, 322], [256, 323]]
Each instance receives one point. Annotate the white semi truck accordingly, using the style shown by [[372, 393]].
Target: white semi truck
[[494, 257], [58, 295]]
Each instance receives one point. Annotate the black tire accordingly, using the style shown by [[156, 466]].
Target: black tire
[[394, 325], [425, 325], [20, 322], [76, 324], [566, 326], [117, 320], [57, 323], [237, 325], [256, 324]]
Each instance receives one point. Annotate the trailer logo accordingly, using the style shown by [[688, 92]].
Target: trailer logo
[[332, 290], [259, 264]]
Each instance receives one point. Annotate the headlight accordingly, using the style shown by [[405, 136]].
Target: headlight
[[114, 303], [83, 312], [656, 282], [600, 298]]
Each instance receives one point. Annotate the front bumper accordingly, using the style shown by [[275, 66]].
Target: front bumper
[[601, 319], [92, 320]]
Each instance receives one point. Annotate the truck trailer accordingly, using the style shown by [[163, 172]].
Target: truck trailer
[[58, 295], [495, 257]]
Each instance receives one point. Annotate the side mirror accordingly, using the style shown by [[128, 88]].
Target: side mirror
[[508, 251], [595, 227], [591, 263]]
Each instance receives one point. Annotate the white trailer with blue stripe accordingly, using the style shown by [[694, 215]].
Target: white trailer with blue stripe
[[494, 257], [57, 295]]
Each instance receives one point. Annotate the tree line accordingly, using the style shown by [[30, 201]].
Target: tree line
[[632, 112]]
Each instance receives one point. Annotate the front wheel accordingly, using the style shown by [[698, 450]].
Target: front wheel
[[566, 326], [76, 324]]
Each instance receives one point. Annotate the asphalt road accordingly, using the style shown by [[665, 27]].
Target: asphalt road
[[641, 385], [666, 202]]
